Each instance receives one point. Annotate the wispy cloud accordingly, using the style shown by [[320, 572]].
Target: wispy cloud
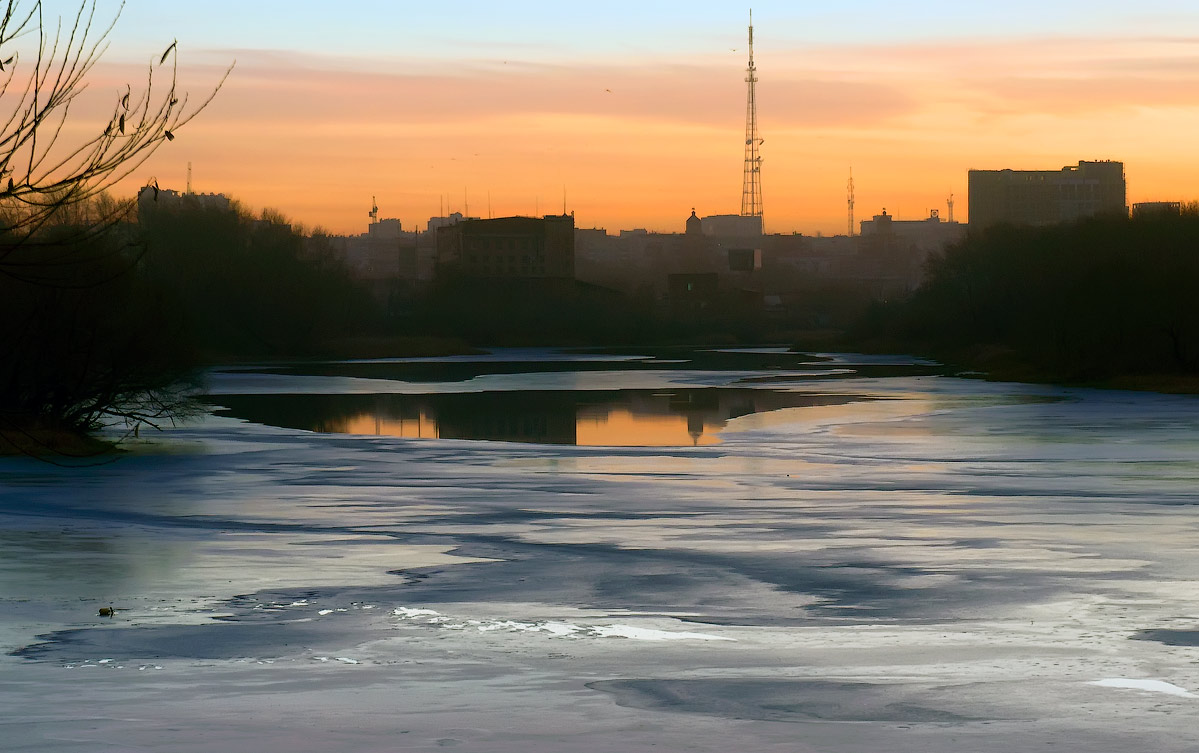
[[668, 134]]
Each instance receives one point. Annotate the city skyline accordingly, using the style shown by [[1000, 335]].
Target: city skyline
[[430, 109]]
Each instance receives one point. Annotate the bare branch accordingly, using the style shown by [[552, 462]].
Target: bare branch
[[56, 175]]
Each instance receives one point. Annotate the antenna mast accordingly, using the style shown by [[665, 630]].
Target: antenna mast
[[751, 191], [189, 177], [849, 198], [950, 203], [374, 213]]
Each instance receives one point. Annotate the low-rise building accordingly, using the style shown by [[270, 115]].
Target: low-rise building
[[1156, 208]]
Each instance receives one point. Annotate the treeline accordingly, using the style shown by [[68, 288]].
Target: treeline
[[528, 312], [1102, 298], [249, 287], [85, 337], [110, 313]]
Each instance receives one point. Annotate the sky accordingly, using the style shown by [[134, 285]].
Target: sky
[[633, 113]]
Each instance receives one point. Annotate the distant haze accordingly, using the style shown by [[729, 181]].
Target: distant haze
[[637, 109]]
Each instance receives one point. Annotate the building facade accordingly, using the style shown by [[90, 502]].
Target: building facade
[[1047, 197], [509, 247]]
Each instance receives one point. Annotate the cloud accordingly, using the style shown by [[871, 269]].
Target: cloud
[[268, 87], [1046, 76], [869, 86]]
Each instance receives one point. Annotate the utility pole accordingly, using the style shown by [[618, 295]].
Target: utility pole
[[751, 188]]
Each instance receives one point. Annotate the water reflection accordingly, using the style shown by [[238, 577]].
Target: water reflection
[[613, 418]]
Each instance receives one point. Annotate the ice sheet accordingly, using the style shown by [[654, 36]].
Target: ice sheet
[[947, 567]]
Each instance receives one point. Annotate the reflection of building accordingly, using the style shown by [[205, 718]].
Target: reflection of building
[[1046, 197], [536, 417], [509, 247], [617, 418]]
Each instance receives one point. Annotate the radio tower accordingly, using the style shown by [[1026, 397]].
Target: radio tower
[[751, 191], [849, 200]]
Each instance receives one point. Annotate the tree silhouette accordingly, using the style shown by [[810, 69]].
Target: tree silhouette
[[1102, 298], [84, 338], [42, 176]]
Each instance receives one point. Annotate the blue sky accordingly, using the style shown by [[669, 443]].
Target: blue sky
[[552, 31]]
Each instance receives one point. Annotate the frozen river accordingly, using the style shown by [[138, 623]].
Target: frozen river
[[549, 552]]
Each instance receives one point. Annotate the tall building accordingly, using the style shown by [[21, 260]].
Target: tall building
[[527, 247], [1047, 197]]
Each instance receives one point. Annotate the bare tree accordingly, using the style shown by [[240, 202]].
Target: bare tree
[[41, 175], [85, 340]]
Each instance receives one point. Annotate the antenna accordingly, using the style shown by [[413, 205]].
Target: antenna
[[374, 213], [849, 200], [950, 203], [563, 201], [189, 176], [465, 204], [751, 187], [489, 205]]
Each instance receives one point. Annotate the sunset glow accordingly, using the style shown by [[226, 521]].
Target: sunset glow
[[639, 119]]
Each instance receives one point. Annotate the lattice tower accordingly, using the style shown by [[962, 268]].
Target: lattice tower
[[751, 190], [850, 201]]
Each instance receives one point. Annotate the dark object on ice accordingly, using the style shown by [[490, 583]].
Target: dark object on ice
[[107, 611]]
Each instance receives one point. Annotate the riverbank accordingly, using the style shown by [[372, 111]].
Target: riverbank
[[997, 364], [51, 443]]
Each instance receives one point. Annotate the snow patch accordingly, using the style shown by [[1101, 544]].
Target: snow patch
[[1151, 686], [556, 629], [647, 634], [410, 612]]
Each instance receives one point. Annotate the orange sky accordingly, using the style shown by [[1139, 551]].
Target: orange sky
[[639, 143]]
